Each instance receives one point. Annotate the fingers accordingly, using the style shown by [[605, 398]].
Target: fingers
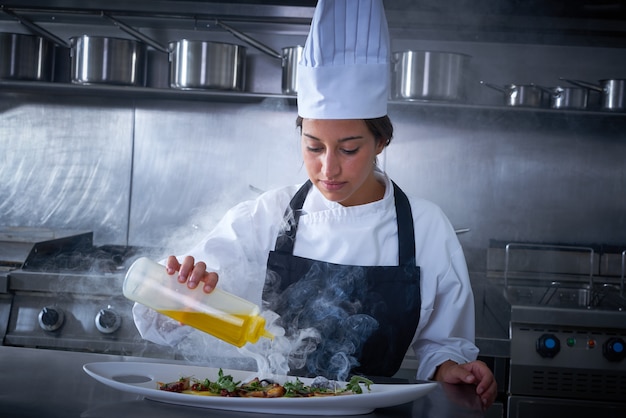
[[172, 265], [185, 270], [210, 281], [464, 376], [459, 374], [486, 386], [196, 274], [488, 396], [199, 274], [192, 273]]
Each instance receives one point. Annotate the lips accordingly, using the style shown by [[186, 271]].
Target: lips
[[332, 186]]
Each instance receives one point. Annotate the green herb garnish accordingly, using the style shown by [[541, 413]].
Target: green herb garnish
[[225, 382], [295, 388], [354, 384]]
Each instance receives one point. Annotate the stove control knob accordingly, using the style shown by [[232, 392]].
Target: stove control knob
[[51, 319], [614, 349], [548, 345], [108, 320]]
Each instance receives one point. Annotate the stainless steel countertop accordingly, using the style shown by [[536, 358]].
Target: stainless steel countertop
[[494, 347], [49, 384]]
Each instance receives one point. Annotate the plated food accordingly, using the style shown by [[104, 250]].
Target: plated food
[[141, 378], [225, 385]]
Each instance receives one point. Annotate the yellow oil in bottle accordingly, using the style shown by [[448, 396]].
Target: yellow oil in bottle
[[234, 329]]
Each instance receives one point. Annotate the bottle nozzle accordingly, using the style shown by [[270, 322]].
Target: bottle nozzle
[[267, 334]]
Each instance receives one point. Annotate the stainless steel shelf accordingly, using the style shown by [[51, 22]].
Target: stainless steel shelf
[[135, 93], [476, 106], [150, 93]]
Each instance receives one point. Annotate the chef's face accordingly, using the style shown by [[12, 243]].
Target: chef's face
[[339, 156]]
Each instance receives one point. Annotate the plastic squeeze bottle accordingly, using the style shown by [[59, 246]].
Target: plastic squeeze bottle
[[221, 314]]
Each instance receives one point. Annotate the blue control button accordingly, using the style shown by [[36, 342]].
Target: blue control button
[[548, 345], [613, 349]]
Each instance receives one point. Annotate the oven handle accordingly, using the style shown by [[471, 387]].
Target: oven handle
[[621, 285]]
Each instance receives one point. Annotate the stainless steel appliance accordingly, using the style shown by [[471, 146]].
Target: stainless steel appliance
[[60, 292], [567, 329]]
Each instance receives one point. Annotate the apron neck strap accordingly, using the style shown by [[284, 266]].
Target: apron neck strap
[[404, 218], [287, 238], [406, 232]]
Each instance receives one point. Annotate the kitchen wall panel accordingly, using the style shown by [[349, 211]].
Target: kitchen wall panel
[[506, 174], [64, 164], [193, 161], [516, 175]]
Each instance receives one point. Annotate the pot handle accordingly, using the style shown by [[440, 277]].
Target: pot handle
[[555, 92], [584, 84], [493, 86], [134, 32], [36, 28], [249, 40]]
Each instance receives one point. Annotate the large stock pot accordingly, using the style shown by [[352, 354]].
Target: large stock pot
[[107, 60], [25, 57], [207, 65], [429, 75]]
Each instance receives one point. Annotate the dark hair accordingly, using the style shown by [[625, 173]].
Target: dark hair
[[381, 128]]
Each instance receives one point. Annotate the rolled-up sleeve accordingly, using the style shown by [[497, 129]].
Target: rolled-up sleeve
[[446, 330]]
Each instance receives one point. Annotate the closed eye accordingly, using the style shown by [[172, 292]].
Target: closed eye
[[312, 141]]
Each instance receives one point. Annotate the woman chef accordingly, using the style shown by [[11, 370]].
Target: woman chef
[[348, 253]]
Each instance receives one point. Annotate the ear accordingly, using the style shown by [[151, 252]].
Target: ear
[[381, 143]]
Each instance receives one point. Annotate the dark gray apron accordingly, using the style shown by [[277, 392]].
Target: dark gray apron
[[366, 315]]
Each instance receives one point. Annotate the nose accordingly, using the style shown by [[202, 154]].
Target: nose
[[331, 166]]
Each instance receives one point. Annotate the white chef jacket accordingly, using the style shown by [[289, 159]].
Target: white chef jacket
[[238, 247]]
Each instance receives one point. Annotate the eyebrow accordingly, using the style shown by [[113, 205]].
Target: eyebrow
[[348, 138]]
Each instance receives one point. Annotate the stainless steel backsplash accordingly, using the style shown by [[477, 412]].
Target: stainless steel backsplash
[[162, 172]]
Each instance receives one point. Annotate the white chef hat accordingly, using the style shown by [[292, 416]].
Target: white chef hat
[[344, 69]]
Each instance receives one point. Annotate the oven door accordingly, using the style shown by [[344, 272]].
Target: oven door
[[536, 407]]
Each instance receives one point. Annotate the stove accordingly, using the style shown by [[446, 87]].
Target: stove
[[567, 328], [58, 291]]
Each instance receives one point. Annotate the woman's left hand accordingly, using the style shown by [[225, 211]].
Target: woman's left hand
[[475, 373]]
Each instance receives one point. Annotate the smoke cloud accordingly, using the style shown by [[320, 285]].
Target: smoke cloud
[[326, 301]]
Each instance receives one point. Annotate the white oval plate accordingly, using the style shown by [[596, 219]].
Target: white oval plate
[[142, 378]]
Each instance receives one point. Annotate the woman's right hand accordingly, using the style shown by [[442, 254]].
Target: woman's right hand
[[192, 273]]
